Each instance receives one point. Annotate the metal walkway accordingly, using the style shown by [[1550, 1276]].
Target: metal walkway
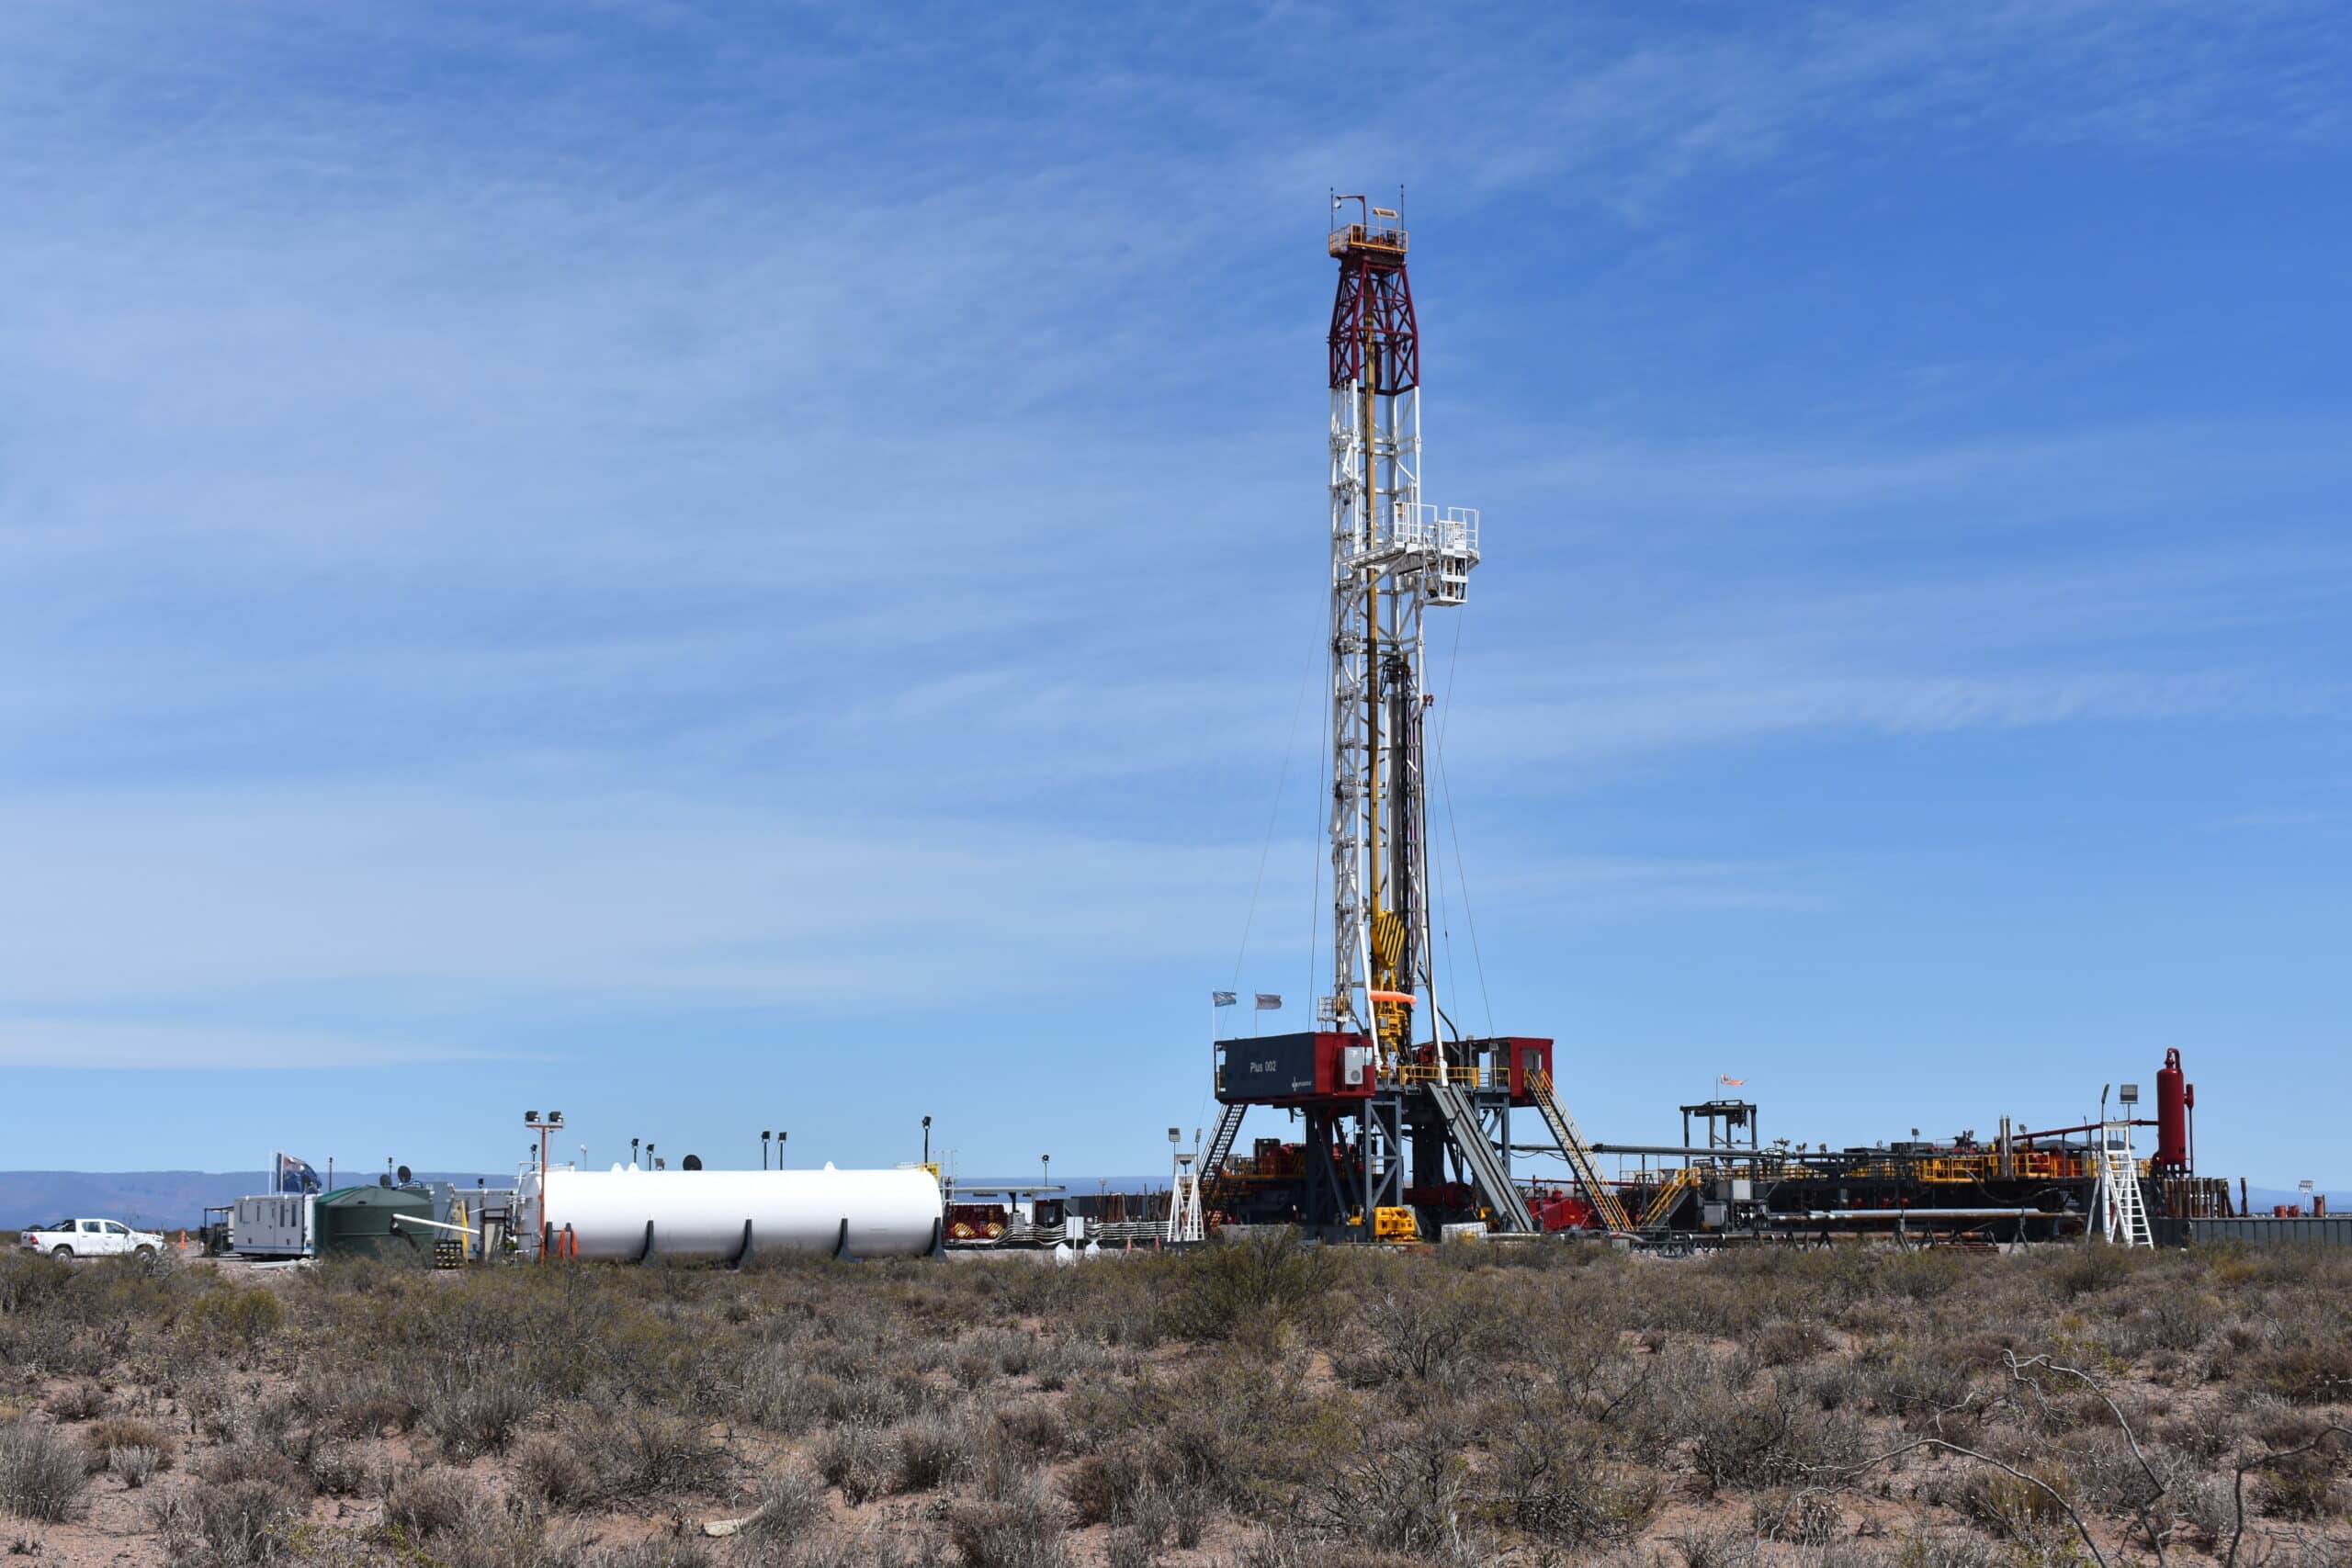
[[1486, 1168], [1572, 1145]]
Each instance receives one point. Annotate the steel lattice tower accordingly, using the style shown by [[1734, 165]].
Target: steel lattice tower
[[1404, 1123], [1391, 559]]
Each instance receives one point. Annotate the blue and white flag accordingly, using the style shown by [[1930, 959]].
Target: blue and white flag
[[1221, 998], [295, 1176]]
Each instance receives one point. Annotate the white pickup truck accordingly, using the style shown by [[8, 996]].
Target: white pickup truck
[[90, 1239]]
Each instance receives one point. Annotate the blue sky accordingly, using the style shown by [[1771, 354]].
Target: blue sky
[[725, 570]]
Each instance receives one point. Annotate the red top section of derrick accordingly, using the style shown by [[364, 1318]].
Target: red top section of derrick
[[1373, 338]]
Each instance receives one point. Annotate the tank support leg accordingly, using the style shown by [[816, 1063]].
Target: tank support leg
[[744, 1250], [646, 1252], [842, 1253], [938, 1248]]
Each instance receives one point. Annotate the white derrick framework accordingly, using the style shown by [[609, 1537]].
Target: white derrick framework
[[1391, 559]]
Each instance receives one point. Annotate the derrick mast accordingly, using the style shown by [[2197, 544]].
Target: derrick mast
[[1391, 559], [1402, 1124]]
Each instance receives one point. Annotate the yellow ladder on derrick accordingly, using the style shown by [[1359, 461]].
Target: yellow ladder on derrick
[[1572, 1145]]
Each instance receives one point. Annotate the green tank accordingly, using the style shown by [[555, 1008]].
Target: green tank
[[358, 1222]]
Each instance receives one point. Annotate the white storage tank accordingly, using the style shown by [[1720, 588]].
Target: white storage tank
[[629, 1214]]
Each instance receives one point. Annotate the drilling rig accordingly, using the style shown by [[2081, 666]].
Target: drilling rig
[[1407, 1123]]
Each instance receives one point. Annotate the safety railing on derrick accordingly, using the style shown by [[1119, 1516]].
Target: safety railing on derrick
[[1362, 237], [1426, 1072]]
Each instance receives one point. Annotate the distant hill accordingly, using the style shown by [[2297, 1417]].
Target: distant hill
[[170, 1199], [153, 1199], [2264, 1198]]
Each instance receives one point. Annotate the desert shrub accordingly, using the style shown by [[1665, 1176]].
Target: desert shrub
[[928, 1452], [1001, 1469], [1406, 1502], [791, 1501], [332, 1468], [1061, 1362], [41, 1475], [2106, 1473], [475, 1418], [368, 1402], [1289, 1549], [1131, 1545], [1783, 1342], [428, 1504], [226, 1525], [232, 1318], [508, 1536], [31, 1280], [104, 1438], [2298, 1485], [856, 1459], [1714, 1546], [650, 1453], [1912, 1381], [657, 1554], [1247, 1289], [1035, 1429], [2207, 1504], [78, 1402], [1004, 1350], [1769, 1440], [132, 1465], [1555, 1485], [772, 1390], [1803, 1517], [249, 1459], [1016, 1533], [1417, 1335], [552, 1473], [2312, 1370], [1948, 1549], [2081, 1271], [1101, 1487], [2016, 1510]]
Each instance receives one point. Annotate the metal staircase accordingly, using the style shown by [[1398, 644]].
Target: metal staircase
[[1662, 1207], [1228, 1127], [1209, 1179], [2123, 1212], [1486, 1168], [1572, 1145]]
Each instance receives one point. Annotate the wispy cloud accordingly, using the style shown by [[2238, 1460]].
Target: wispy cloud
[[514, 513]]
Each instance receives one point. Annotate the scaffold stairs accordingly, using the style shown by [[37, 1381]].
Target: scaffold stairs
[[2123, 1212], [1486, 1168], [1662, 1207], [1228, 1127], [1572, 1147]]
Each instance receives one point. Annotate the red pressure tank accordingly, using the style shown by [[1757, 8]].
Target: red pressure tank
[[2174, 1097]]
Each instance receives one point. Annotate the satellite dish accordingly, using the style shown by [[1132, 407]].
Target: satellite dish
[[692, 1162], [403, 1176]]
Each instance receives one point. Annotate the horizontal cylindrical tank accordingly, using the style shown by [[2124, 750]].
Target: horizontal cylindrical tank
[[703, 1213], [2172, 1114]]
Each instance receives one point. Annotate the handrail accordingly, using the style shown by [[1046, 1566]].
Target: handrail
[[1427, 1072], [1363, 236]]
